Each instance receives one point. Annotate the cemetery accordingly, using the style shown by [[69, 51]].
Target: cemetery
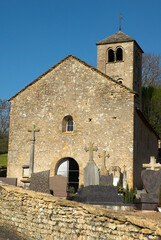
[[109, 190], [36, 215]]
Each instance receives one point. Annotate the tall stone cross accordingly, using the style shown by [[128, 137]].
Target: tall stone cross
[[32, 148], [104, 156], [152, 165], [91, 148], [91, 171]]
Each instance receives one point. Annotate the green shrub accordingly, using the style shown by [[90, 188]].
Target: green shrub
[[129, 195], [71, 189], [120, 188]]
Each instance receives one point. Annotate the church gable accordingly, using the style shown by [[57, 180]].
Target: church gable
[[68, 70], [71, 86]]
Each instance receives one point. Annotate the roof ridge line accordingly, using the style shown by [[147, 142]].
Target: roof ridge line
[[61, 61]]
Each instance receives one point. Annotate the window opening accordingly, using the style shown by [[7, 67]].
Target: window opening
[[68, 124], [119, 55], [111, 57]]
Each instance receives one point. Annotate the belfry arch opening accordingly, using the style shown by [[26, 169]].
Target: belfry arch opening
[[111, 57], [68, 167], [119, 54]]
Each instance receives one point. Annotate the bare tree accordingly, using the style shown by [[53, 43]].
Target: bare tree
[[4, 118], [151, 70]]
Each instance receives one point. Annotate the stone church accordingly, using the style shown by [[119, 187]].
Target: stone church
[[72, 104]]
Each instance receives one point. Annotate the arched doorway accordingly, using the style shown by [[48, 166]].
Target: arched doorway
[[69, 168]]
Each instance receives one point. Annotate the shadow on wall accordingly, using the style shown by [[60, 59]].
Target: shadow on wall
[[3, 172]]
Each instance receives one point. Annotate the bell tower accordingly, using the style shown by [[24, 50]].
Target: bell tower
[[120, 57]]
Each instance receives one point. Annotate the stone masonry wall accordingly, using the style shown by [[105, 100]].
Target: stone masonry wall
[[42, 216], [102, 112], [145, 146], [122, 69]]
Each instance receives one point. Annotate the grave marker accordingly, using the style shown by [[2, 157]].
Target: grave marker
[[152, 165], [104, 170], [58, 184], [40, 182], [115, 170], [32, 148], [91, 171]]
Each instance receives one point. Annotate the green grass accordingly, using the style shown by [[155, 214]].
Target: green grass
[[3, 160]]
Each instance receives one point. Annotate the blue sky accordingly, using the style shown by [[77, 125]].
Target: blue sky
[[36, 34]]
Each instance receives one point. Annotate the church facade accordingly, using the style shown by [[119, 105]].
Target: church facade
[[73, 104]]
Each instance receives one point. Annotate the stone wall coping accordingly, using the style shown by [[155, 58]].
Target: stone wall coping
[[148, 220]]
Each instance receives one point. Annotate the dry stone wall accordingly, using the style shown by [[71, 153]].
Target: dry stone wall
[[41, 216]]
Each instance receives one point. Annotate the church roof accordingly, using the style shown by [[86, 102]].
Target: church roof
[[118, 37], [81, 61]]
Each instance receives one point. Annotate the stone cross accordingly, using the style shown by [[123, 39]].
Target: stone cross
[[152, 165], [31, 166], [91, 148], [104, 156], [91, 171], [115, 170]]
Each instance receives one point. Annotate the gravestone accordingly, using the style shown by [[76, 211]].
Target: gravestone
[[91, 171], [106, 180], [151, 182], [116, 171], [9, 181], [104, 170], [99, 195], [40, 182], [151, 178], [58, 185]]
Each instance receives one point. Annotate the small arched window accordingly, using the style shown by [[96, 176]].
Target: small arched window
[[111, 57], [119, 54], [68, 124]]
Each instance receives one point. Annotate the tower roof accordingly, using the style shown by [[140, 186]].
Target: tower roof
[[118, 37]]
